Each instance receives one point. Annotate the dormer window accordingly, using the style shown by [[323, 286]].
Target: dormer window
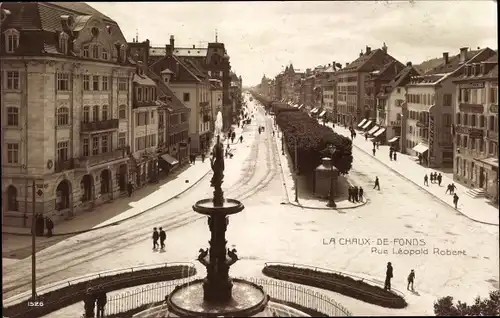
[[123, 52], [105, 54], [63, 43], [466, 71], [11, 40], [95, 51], [86, 51]]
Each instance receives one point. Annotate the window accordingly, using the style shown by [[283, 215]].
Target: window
[[86, 82], [447, 119], [481, 121], [12, 116], [481, 144], [12, 80], [63, 43], [86, 51], [458, 118], [86, 147], [494, 95], [491, 147], [447, 100], [12, 153], [62, 151], [104, 143], [473, 95], [95, 82], [140, 143], [95, 145], [186, 97], [466, 119], [122, 140], [139, 94], [465, 144], [12, 198], [105, 54], [86, 114], [141, 119], [105, 83], [12, 40], [459, 138], [95, 51], [62, 81], [95, 113], [473, 120], [104, 112], [122, 112], [63, 116], [122, 84]]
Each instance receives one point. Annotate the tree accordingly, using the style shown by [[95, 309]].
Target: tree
[[481, 307]]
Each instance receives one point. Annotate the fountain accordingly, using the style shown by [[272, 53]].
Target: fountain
[[218, 125]]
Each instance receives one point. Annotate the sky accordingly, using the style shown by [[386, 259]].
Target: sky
[[263, 37]]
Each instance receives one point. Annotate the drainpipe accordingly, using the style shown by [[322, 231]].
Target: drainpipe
[[25, 104]]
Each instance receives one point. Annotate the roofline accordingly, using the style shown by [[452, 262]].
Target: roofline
[[58, 58], [105, 17]]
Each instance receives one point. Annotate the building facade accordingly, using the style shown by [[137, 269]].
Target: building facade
[[65, 110], [476, 128]]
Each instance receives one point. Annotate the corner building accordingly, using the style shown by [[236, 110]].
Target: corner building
[[66, 82]]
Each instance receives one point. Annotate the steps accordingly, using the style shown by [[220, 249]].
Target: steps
[[476, 193]]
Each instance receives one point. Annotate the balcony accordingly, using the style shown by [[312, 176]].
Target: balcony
[[204, 104], [61, 166], [99, 125], [84, 163], [422, 124]]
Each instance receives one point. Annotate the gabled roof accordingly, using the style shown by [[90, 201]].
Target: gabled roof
[[368, 62], [163, 90], [453, 63], [167, 71], [143, 80]]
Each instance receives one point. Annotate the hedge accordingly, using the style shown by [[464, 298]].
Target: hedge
[[344, 285], [312, 139], [69, 295]]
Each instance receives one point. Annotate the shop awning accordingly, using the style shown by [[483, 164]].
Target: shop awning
[[373, 129], [302, 105], [314, 110], [322, 113], [368, 123], [168, 158], [379, 132], [295, 106], [421, 148], [362, 122], [393, 139]]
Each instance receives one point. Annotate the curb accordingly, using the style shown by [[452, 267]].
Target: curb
[[419, 186], [125, 219]]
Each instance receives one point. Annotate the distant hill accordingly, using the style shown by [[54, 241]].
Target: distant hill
[[429, 64]]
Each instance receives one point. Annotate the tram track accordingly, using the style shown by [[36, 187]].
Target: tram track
[[247, 186]]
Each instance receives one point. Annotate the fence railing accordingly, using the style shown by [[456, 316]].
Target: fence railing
[[60, 284], [278, 290], [320, 269]]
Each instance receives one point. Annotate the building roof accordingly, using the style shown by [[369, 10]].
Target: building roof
[[167, 71], [143, 80], [368, 62], [174, 103]]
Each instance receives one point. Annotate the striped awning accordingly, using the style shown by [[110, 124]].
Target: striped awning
[[314, 111], [368, 123], [393, 139], [373, 129], [379, 132], [322, 113], [302, 105], [362, 122]]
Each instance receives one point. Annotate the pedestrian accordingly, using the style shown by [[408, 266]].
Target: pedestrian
[[130, 188], [50, 226], [448, 189], [241, 139], [395, 156], [366, 136], [373, 151], [388, 276], [377, 183], [453, 188], [355, 194], [426, 180], [232, 138], [360, 194], [378, 144], [350, 193], [101, 303], [420, 158], [41, 225], [432, 177], [390, 154], [163, 237], [411, 279], [156, 236], [455, 200], [374, 144], [440, 179], [89, 303], [203, 156]]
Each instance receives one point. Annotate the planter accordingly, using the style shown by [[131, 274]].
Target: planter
[[344, 285], [66, 296]]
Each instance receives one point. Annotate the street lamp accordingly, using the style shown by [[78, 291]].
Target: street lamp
[[331, 202], [295, 168]]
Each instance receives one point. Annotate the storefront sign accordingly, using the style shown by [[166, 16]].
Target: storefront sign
[[473, 85], [476, 133], [431, 136], [471, 108], [494, 109]]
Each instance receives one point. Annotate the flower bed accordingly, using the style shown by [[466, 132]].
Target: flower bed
[[66, 296], [344, 285]]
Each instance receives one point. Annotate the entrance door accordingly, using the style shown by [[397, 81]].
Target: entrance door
[[481, 177]]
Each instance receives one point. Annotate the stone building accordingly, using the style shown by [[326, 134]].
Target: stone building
[[476, 128], [65, 107]]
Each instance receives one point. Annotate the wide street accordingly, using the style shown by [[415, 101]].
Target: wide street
[[268, 230]]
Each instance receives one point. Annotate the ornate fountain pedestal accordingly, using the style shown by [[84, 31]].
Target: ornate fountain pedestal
[[218, 295]]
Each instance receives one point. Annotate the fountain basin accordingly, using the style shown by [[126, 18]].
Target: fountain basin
[[248, 300], [207, 207]]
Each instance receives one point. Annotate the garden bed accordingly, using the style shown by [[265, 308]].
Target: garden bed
[[66, 296], [344, 285]]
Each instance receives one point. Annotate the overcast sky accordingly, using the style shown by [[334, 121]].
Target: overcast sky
[[262, 37]]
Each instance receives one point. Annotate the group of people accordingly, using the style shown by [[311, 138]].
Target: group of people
[[355, 194], [353, 132], [91, 300], [435, 178], [41, 223], [390, 273], [392, 153], [159, 235], [261, 129]]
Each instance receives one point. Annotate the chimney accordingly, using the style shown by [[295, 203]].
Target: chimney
[[384, 48], [168, 49], [172, 42], [368, 49], [361, 53], [194, 46], [446, 57], [463, 54], [346, 64], [408, 64]]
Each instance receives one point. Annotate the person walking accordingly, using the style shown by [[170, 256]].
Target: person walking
[[373, 151], [420, 158], [241, 139], [439, 179], [426, 180], [395, 156], [455, 200], [388, 276], [163, 237], [273, 132], [377, 184], [155, 238], [453, 187], [378, 144], [366, 136], [374, 144], [390, 153], [356, 194], [350, 194], [203, 156], [411, 279], [50, 226], [101, 304], [89, 303], [360, 194], [448, 189]]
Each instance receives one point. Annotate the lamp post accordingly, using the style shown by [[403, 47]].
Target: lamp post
[[331, 202], [33, 244], [295, 168]]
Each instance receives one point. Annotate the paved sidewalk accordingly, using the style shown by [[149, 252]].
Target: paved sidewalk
[[307, 201], [478, 210]]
